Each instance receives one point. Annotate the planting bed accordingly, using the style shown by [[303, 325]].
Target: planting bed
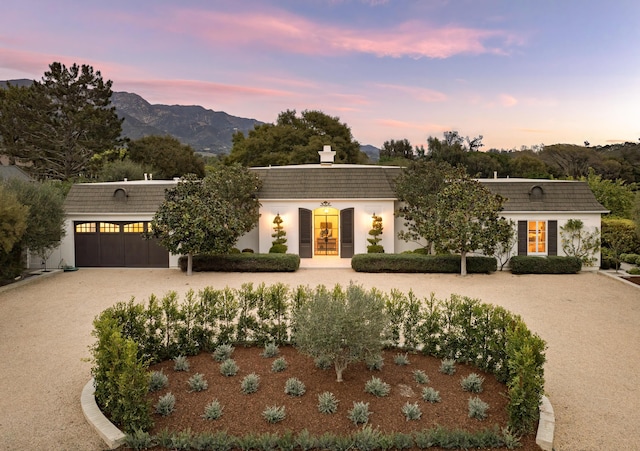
[[242, 413]]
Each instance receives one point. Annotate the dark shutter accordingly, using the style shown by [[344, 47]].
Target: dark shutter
[[346, 233], [553, 238], [305, 232], [522, 237]]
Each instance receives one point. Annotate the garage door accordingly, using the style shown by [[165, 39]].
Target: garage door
[[117, 244]]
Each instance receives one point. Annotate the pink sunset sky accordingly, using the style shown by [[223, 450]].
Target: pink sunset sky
[[517, 72]]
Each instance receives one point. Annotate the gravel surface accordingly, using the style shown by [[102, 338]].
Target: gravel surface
[[590, 322]]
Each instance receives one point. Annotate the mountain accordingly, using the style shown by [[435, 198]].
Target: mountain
[[204, 130]]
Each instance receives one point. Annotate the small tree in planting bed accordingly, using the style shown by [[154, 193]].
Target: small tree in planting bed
[[278, 236], [341, 326], [376, 230]]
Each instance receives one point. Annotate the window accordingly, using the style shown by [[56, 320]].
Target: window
[[134, 227], [537, 237], [109, 227], [86, 227]]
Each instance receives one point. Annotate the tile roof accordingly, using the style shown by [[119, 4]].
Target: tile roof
[[13, 172], [101, 198], [332, 182], [338, 181], [553, 195]]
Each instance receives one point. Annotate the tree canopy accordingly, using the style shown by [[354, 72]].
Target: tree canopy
[[13, 219], [167, 156], [45, 220], [208, 215], [341, 326], [448, 210], [55, 126], [296, 140]]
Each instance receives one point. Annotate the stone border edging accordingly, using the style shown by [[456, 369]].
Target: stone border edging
[[617, 276], [109, 433], [114, 437], [40, 276], [546, 425]]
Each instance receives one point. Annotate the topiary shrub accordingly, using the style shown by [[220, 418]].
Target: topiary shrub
[[376, 230], [553, 264], [278, 235]]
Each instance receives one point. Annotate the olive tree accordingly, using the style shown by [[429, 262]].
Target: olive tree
[[341, 326], [207, 215]]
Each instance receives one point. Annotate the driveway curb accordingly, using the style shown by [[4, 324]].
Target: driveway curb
[[109, 433]]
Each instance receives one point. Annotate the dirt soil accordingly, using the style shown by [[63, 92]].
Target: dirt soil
[[589, 321], [243, 412]]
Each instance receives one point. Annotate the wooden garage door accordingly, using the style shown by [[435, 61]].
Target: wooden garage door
[[117, 244]]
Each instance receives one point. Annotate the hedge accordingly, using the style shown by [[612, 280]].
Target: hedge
[[524, 264], [419, 263], [459, 328], [244, 262]]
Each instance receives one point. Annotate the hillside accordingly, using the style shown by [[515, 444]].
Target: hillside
[[205, 130]]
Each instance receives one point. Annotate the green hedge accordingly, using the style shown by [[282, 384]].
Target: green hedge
[[244, 262], [524, 264], [419, 263], [460, 328]]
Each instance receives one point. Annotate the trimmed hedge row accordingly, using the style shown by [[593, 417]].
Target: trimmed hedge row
[[524, 264], [244, 262], [419, 263], [459, 328]]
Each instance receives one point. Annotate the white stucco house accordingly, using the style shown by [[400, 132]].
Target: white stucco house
[[326, 210]]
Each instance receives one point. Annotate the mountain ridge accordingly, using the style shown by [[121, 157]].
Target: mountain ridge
[[205, 130]]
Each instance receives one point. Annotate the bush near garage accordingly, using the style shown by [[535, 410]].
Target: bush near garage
[[243, 262], [524, 264], [419, 263]]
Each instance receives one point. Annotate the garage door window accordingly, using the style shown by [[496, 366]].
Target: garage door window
[[109, 227], [134, 227], [87, 227]]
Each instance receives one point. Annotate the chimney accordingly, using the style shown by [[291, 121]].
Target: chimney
[[326, 156]]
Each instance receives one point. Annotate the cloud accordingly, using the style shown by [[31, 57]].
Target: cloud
[[288, 32], [422, 94], [507, 100]]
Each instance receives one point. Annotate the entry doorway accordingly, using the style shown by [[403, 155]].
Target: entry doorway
[[326, 231]]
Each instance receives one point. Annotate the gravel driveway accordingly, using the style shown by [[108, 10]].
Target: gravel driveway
[[590, 321]]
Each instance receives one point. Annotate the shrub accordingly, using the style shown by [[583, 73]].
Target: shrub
[[229, 368], [472, 383], [401, 359], [327, 403], [377, 387], [375, 362], [279, 365], [294, 387], [197, 382], [420, 377], [411, 411], [223, 352], [274, 414], [553, 264], [247, 250], [250, 383], [270, 350], [180, 363], [359, 414], [166, 404], [448, 366], [243, 262], [323, 362], [213, 410], [158, 381], [417, 263], [430, 394], [633, 271], [138, 440], [478, 408]]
